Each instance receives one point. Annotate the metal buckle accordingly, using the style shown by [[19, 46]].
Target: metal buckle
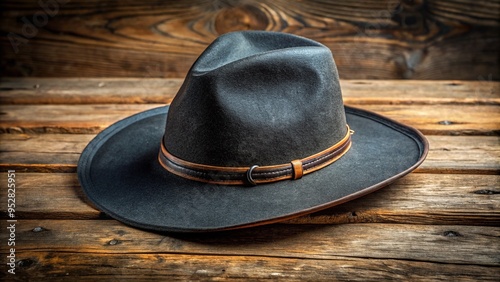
[[249, 175]]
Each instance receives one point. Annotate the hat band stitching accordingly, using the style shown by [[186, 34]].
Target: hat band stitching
[[219, 177], [238, 175], [314, 163], [306, 165]]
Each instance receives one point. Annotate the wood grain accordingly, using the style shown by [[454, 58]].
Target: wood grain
[[179, 267], [444, 119], [328, 242], [448, 107], [438, 224], [60, 153], [430, 119], [42, 153], [417, 199], [22, 91], [463, 154], [425, 39], [66, 118]]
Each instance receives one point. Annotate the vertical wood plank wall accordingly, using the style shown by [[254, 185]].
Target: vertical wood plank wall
[[374, 39]]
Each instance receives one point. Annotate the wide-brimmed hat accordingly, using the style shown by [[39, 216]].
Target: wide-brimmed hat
[[257, 134]]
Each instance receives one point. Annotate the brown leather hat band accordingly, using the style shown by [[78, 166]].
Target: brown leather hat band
[[255, 174]]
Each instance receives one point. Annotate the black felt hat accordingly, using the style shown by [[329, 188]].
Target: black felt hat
[[258, 133]]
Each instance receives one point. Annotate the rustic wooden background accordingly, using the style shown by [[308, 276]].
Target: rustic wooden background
[[374, 39], [439, 223]]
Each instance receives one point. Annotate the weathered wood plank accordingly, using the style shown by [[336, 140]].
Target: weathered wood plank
[[447, 244], [177, 267], [370, 39], [158, 91], [88, 90], [416, 199], [422, 199], [408, 92], [60, 153], [484, 14], [430, 119], [463, 154], [64, 118], [445, 119], [42, 152]]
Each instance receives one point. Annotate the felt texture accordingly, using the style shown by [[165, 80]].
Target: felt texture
[[252, 98], [120, 173], [257, 98]]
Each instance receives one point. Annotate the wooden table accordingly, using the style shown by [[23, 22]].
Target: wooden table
[[439, 223]]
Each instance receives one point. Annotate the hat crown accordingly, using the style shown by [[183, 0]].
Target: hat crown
[[257, 98]]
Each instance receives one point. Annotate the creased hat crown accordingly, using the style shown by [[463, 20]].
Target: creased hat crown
[[257, 98]]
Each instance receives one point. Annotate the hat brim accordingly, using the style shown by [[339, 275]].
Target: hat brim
[[120, 173]]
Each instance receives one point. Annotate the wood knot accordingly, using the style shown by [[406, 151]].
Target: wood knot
[[39, 229], [245, 17], [15, 130], [26, 263], [445, 122], [407, 62], [114, 242], [451, 234], [486, 192]]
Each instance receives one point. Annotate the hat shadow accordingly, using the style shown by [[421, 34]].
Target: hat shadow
[[248, 236]]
